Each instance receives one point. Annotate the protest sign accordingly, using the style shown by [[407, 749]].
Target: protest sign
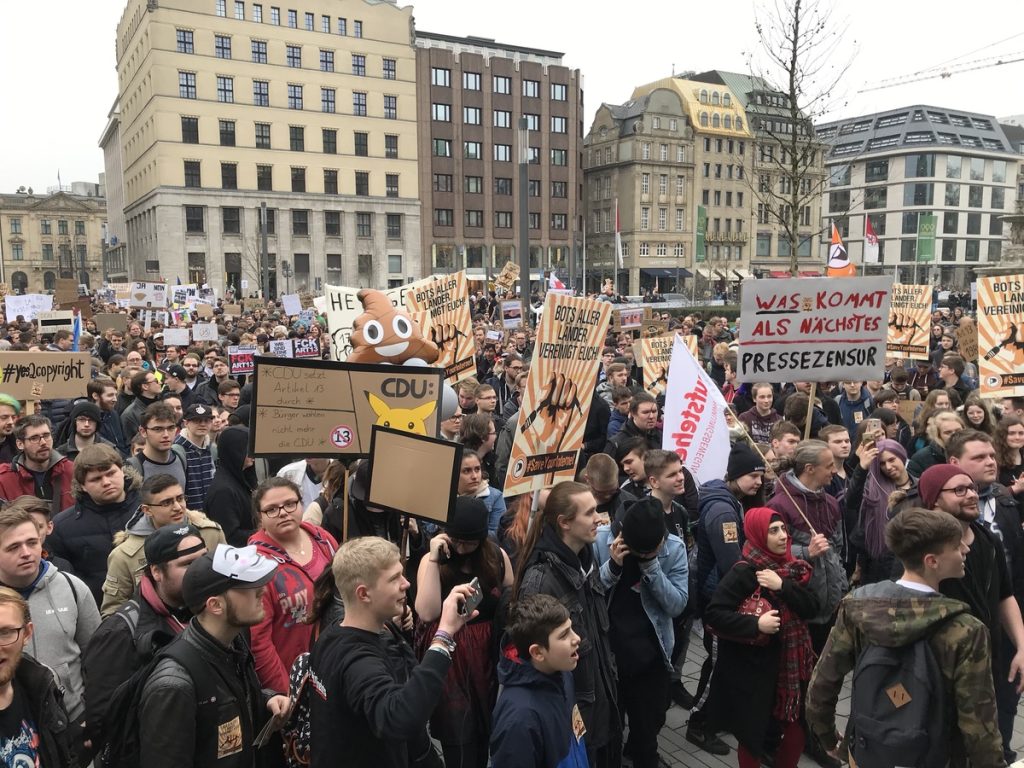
[[307, 299], [291, 304], [204, 332], [1001, 335], [56, 320], [242, 358], [430, 474], [496, 336], [444, 304], [27, 306], [281, 348], [230, 310], [967, 340], [909, 320], [58, 374], [66, 290], [148, 295], [307, 347], [84, 307], [908, 409], [655, 355], [654, 328], [117, 322], [559, 386], [324, 408], [5, 288], [511, 314], [627, 319], [176, 337], [814, 329], [507, 278], [342, 307], [185, 295], [695, 426]]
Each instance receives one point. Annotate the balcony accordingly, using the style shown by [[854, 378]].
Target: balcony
[[725, 237]]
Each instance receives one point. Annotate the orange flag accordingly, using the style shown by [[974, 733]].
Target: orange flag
[[838, 260]]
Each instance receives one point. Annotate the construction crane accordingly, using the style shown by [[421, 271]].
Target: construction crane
[[945, 72]]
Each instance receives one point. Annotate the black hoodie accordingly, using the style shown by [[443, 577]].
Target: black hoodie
[[229, 498]]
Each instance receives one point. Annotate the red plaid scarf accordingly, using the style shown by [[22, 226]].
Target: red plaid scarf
[[797, 654]]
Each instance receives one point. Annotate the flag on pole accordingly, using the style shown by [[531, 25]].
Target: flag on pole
[[554, 282], [618, 237], [838, 260], [870, 242], [76, 329]]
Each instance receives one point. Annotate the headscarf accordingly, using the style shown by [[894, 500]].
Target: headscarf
[[874, 509], [796, 658]]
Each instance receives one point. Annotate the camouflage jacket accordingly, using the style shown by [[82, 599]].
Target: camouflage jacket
[[891, 615]]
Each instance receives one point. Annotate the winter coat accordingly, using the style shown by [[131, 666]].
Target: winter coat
[[872, 569], [16, 480], [131, 417], [42, 696], [495, 504], [111, 429], [855, 411], [84, 533], [719, 537], [928, 456], [70, 450], [64, 618], [745, 677], [553, 569], [615, 422], [533, 719], [891, 615], [829, 574], [127, 558], [759, 427], [595, 433], [229, 500]]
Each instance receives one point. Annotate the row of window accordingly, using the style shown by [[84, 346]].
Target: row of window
[[501, 118], [265, 181], [645, 185], [664, 151], [300, 220], [501, 84], [474, 150], [921, 193], [724, 145], [309, 19], [923, 166], [296, 137], [64, 252], [721, 198], [767, 213], [46, 226], [474, 185], [296, 95], [445, 217]]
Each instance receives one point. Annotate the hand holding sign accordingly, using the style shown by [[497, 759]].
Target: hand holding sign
[[559, 401], [446, 336]]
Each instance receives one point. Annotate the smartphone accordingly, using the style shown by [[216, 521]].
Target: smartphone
[[873, 427], [471, 603]]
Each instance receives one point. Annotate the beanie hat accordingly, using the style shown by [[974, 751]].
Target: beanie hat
[[643, 526], [468, 521], [743, 460], [933, 480], [85, 408]]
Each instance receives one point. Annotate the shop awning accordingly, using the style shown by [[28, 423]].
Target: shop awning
[[722, 274], [742, 274], [810, 273], [670, 272], [780, 273]]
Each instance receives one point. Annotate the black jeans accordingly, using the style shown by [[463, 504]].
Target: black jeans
[[643, 699]]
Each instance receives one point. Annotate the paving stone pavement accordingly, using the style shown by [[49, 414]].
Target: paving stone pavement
[[679, 752]]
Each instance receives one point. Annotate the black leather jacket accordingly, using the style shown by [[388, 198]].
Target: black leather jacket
[[37, 683]]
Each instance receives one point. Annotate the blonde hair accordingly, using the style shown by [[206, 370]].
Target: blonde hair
[[932, 430], [361, 561], [9, 597]]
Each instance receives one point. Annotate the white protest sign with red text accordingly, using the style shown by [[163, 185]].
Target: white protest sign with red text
[[695, 425]]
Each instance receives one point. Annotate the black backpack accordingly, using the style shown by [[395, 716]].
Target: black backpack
[[900, 712], [123, 747]]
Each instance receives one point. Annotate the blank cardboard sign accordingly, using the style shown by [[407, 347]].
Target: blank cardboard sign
[[430, 474]]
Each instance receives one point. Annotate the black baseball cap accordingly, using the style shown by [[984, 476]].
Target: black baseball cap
[[162, 544], [198, 411], [177, 372], [225, 568]]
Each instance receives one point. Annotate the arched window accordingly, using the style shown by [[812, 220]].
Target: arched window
[[739, 124], [19, 282], [714, 98], [727, 121], [703, 96], [49, 281], [703, 119], [726, 100], [715, 121]]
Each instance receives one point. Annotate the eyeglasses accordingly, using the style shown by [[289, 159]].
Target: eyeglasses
[[288, 507], [456, 416], [45, 437], [174, 501], [160, 430], [961, 490], [10, 635]]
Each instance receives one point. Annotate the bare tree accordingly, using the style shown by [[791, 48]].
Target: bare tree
[[798, 39]]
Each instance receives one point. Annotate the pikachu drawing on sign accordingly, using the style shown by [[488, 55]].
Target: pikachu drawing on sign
[[404, 419]]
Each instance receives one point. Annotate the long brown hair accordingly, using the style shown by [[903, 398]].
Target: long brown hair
[[1007, 457], [484, 562], [520, 525], [559, 506]]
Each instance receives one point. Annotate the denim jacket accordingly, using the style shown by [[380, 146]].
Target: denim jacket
[[663, 591]]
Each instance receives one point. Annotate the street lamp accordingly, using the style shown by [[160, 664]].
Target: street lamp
[[523, 135]]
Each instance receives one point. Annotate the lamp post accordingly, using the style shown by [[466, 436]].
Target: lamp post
[[264, 255], [523, 135]]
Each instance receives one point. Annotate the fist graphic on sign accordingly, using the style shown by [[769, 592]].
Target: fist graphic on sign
[[904, 326], [558, 406], [446, 336]]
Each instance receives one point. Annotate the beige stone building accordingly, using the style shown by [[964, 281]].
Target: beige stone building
[[228, 104], [57, 235], [471, 95]]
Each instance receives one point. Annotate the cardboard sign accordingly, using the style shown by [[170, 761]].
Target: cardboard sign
[[307, 347], [341, 308], [1001, 336], [430, 474], [307, 299], [654, 328], [627, 319], [204, 310], [27, 306], [967, 340], [57, 320], [291, 304], [509, 275], [116, 322], [511, 314], [84, 307], [322, 408], [66, 290], [444, 306], [908, 409], [655, 356], [185, 295], [58, 375], [176, 337], [695, 426], [148, 295], [814, 329], [204, 332], [281, 348], [241, 359], [559, 388], [909, 320]]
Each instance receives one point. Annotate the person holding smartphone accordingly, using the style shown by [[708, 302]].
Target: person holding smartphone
[[463, 554]]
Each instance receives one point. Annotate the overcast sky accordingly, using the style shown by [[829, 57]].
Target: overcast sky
[[57, 58]]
